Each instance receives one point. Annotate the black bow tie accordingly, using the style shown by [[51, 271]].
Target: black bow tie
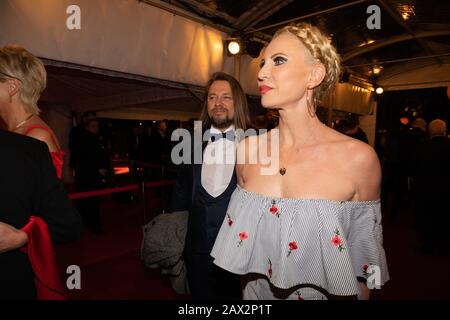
[[223, 135]]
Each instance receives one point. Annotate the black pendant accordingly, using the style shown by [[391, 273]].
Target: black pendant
[[282, 171]]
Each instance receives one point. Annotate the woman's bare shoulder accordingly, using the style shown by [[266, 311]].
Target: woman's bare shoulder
[[364, 167], [359, 153], [348, 148], [358, 161], [44, 133]]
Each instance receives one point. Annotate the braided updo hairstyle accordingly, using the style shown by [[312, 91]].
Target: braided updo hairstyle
[[321, 50]]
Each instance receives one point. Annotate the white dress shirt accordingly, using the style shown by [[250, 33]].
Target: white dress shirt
[[219, 158]]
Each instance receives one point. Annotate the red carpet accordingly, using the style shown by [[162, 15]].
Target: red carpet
[[110, 264]]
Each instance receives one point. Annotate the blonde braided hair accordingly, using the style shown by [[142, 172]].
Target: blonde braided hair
[[321, 50]]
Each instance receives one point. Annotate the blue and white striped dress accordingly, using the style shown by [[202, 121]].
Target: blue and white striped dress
[[298, 244]]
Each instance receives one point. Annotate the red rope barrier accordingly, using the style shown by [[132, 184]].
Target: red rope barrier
[[154, 166], [133, 187], [159, 183], [102, 192]]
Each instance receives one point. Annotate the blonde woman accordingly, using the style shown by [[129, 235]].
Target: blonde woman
[[22, 80], [312, 229]]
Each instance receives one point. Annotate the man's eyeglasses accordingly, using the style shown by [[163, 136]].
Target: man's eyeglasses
[[9, 76]]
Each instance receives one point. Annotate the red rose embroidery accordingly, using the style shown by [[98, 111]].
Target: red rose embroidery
[[230, 222], [365, 267], [242, 236], [337, 241], [292, 246], [299, 295], [274, 210]]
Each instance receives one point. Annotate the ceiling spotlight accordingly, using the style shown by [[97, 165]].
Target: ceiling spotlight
[[377, 69], [233, 47], [379, 90], [406, 11]]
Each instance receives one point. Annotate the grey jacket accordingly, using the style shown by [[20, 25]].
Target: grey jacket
[[163, 245]]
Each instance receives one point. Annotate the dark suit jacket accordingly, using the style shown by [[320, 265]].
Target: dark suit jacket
[[29, 186], [91, 157], [205, 218], [182, 193], [206, 214]]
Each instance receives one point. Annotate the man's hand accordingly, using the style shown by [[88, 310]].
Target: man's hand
[[11, 238]]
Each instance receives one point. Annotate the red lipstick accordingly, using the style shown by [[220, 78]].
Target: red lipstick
[[264, 89]]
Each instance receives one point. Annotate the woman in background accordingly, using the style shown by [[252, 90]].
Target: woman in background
[[22, 80]]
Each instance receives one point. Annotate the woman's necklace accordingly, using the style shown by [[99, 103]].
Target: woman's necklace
[[282, 170], [23, 122]]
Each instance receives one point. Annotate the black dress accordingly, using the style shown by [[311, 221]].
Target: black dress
[[29, 186]]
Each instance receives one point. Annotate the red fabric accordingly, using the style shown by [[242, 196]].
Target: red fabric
[[58, 161], [57, 156], [42, 258]]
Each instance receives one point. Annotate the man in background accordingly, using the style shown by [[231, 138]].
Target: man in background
[[205, 188], [431, 181], [77, 136]]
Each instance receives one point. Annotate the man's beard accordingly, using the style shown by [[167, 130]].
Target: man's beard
[[221, 122]]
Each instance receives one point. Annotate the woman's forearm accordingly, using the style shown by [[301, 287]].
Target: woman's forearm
[[11, 238]]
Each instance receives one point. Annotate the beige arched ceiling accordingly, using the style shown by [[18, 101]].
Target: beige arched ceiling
[[412, 32], [157, 54]]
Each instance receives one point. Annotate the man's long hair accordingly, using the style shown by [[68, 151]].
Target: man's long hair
[[241, 115]]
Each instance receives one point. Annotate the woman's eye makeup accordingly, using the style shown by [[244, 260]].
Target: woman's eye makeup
[[261, 64], [279, 60]]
